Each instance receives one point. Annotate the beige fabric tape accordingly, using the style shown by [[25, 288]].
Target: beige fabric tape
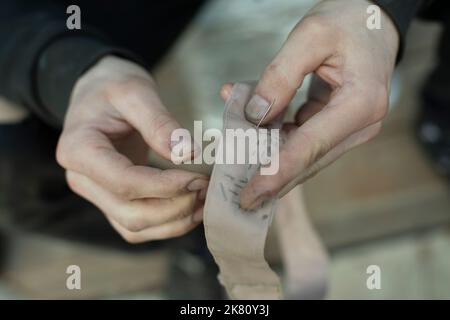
[[237, 238]]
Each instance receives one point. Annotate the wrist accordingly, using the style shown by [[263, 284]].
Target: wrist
[[107, 70], [391, 33], [56, 75], [352, 17]]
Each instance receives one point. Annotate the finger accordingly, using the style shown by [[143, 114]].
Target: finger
[[225, 91], [318, 96], [139, 104], [353, 141], [198, 215], [307, 111], [302, 53], [133, 147], [133, 215], [98, 159], [166, 231], [346, 114]]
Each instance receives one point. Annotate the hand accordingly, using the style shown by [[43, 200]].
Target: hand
[[348, 97], [114, 117]]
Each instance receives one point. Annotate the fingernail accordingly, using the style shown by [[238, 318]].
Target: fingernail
[[256, 108], [198, 216], [256, 203], [197, 184]]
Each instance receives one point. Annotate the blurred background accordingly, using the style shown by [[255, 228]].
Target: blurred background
[[379, 204]]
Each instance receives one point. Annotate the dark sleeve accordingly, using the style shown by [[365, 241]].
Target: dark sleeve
[[40, 59], [402, 13]]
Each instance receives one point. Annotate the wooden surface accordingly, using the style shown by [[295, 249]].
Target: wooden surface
[[386, 186], [36, 268]]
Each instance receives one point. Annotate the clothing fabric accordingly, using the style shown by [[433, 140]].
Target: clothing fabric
[[237, 237]]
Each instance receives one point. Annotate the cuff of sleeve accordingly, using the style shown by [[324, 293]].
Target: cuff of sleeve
[[61, 65], [402, 13]]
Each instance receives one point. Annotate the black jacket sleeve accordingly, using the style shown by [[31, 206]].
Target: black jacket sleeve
[[41, 59]]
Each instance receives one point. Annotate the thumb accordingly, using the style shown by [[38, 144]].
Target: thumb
[[302, 53], [140, 105]]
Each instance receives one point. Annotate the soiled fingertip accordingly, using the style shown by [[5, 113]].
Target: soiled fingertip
[[225, 91]]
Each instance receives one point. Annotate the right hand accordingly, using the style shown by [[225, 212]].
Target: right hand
[[115, 116], [348, 97]]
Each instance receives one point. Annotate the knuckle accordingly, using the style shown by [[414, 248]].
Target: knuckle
[[178, 209], [133, 222], [72, 147], [315, 25], [183, 211], [125, 190], [273, 68], [276, 74], [132, 238], [158, 123], [72, 182], [62, 153], [182, 231], [177, 232]]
